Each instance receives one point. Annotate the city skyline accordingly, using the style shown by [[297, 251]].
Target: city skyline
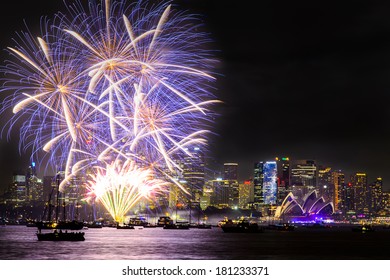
[[307, 81]]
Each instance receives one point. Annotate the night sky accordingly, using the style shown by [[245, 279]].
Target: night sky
[[307, 80]]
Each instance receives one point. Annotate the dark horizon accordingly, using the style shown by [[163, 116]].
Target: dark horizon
[[303, 80]]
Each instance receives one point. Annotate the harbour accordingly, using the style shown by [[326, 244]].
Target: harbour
[[108, 243]]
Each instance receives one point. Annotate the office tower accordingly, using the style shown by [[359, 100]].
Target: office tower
[[303, 177], [347, 198], [230, 171], [325, 185], [194, 172], [19, 190], [359, 182], [269, 183], [386, 202], [375, 198], [283, 179], [222, 193], [338, 181], [30, 179], [230, 174], [245, 194], [258, 179], [265, 183]]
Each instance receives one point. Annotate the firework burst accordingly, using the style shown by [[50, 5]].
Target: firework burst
[[113, 88]]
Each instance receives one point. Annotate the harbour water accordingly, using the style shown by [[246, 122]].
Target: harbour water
[[20, 243]]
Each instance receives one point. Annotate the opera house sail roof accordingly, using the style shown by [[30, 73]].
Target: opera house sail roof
[[312, 204]]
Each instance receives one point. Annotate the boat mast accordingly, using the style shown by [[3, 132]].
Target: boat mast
[[48, 208], [58, 196], [177, 201]]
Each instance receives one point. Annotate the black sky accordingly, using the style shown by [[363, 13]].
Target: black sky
[[307, 80]]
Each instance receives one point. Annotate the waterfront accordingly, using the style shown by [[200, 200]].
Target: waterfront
[[20, 243]]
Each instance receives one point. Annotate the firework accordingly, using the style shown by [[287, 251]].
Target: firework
[[120, 186], [117, 84]]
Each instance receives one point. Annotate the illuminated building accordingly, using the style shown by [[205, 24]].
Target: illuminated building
[[347, 198], [325, 184], [303, 177], [223, 193], [375, 199], [18, 189], [265, 183], [31, 173], [311, 207], [283, 179], [338, 180], [258, 179], [269, 183], [359, 182], [386, 202], [230, 171], [194, 172], [36, 190], [245, 194]]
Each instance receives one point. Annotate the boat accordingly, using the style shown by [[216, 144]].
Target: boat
[[281, 227], [57, 223], [204, 226], [177, 225], [61, 236], [164, 220], [31, 224], [138, 221], [71, 225], [363, 228], [124, 226], [149, 225], [93, 224], [241, 226]]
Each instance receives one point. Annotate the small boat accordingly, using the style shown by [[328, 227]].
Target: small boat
[[93, 224], [281, 227], [363, 228], [71, 225], [149, 225], [204, 226], [178, 225], [138, 221], [31, 224], [241, 226], [164, 220], [124, 226], [61, 236]]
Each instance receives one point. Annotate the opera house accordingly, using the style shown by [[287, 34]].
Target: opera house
[[311, 208]]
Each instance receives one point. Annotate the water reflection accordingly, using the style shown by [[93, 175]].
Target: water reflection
[[20, 243]]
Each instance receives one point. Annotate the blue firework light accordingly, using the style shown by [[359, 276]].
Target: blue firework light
[[115, 81]]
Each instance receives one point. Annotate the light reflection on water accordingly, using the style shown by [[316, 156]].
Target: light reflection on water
[[20, 243]]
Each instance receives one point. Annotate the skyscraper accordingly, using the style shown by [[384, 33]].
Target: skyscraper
[[325, 184], [283, 179], [338, 181], [347, 198], [303, 177], [359, 182], [265, 183], [245, 193], [194, 172], [258, 179], [230, 171], [375, 198]]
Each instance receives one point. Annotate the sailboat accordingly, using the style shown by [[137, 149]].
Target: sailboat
[[57, 223]]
